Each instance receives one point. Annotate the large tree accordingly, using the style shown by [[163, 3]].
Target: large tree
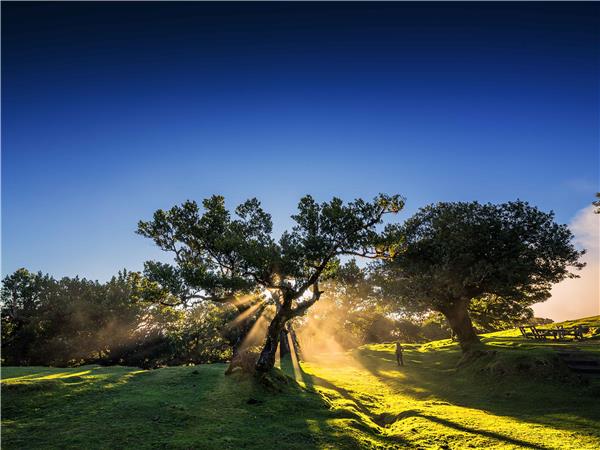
[[228, 259], [454, 255]]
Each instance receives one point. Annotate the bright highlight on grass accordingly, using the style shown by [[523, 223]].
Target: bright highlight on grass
[[428, 403]]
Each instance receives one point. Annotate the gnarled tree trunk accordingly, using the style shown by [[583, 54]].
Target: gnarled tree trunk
[[457, 315], [266, 360], [277, 330]]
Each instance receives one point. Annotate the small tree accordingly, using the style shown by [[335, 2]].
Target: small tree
[[453, 253], [224, 259]]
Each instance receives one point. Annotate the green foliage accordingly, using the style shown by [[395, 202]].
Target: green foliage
[[74, 321], [434, 327], [354, 312], [199, 336], [456, 250], [219, 256], [48, 321], [492, 313], [506, 257]]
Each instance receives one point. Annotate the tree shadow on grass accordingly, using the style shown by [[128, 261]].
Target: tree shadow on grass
[[386, 420], [434, 374], [488, 434], [175, 407], [374, 422], [363, 418], [42, 408]]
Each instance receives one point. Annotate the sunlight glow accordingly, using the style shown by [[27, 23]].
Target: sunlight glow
[[320, 342], [258, 332], [578, 297], [242, 299], [294, 358], [244, 315]]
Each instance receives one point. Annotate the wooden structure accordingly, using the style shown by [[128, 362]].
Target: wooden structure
[[558, 333]]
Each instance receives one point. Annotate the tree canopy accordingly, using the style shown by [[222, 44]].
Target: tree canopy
[[220, 257]]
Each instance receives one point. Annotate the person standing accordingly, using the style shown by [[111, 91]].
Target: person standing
[[399, 356]]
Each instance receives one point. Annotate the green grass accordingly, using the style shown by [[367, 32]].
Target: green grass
[[356, 400]]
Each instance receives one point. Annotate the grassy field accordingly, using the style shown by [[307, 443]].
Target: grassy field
[[518, 397]]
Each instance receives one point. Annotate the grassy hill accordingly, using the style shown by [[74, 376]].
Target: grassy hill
[[517, 397]]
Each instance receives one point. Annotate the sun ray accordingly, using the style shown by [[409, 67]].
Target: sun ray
[[243, 299], [322, 343], [244, 315], [294, 357], [258, 332]]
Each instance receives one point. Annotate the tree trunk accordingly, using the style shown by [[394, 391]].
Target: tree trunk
[[460, 322], [284, 348], [266, 360]]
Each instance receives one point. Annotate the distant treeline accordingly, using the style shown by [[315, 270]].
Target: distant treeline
[[73, 321]]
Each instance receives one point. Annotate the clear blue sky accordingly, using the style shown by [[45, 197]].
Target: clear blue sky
[[110, 111]]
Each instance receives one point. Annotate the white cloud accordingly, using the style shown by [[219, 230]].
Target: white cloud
[[579, 297]]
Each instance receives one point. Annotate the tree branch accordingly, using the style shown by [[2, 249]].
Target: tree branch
[[302, 307], [362, 255]]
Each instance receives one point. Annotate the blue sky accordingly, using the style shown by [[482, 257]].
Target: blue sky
[[110, 111]]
